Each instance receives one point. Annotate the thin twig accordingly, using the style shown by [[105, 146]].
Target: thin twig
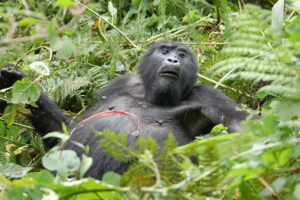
[[112, 25], [50, 57], [41, 35], [12, 29], [269, 146], [21, 143], [236, 67], [223, 86], [267, 185], [156, 170], [2, 99], [21, 125], [205, 43], [174, 30]]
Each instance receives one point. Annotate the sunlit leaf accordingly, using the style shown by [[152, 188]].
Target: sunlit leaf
[[40, 68], [64, 3], [10, 113], [13, 170], [112, 178], [277, 17], [86, 163], [28, 21], [25, 92], [113, 11], [63, 162], [64, 137]]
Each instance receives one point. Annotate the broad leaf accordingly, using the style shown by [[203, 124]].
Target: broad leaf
[[86, 163], [40, 68], [25, 92], [13, 170]]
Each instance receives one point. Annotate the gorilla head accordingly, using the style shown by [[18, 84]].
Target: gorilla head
[[169, 72]]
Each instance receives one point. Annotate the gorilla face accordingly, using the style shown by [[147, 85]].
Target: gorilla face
[[169, 72]]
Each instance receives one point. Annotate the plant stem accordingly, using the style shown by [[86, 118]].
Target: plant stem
[[223, 86], [112, 25], [21, 125], [2, 99], [28, 52], [276, 144]]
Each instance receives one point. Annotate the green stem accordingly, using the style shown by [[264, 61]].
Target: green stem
[[2, 99], [21, 125], [276, 144], [103, 19], [28, 52], [233, 69]]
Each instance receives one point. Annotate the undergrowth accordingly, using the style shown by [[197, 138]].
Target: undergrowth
[[87, 45]]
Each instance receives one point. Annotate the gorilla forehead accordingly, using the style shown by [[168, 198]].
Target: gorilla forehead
[[173, 44]]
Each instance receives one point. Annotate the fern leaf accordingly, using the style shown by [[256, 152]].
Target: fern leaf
[[251, 56]]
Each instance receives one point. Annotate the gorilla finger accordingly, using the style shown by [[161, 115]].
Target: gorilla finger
[[12, 75]]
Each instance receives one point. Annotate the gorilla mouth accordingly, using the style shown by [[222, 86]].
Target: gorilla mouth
[[169, 73]]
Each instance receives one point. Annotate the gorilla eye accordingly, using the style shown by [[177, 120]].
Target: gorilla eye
[[182, 55], [165, 51]]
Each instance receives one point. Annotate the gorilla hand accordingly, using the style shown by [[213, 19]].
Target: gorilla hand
[[8, 76]]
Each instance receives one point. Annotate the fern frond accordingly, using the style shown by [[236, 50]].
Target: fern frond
[[59, 88], [116, 146], [251, 56]]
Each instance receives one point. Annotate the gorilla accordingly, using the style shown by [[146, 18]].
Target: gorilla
[[163, 97]]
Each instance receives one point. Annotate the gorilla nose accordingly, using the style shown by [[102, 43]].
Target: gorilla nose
[[172, 60]]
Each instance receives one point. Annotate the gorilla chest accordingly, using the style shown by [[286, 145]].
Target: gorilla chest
[[134, 116]]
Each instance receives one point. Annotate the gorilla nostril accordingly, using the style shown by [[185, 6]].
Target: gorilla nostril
[[175, 61], [169, 60]]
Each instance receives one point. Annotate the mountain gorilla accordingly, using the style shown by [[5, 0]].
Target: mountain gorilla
[[163, 97]]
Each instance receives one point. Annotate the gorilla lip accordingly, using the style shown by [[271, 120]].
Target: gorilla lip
[[169, 73]]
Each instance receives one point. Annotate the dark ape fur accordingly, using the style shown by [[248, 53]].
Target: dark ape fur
[[163, 97]]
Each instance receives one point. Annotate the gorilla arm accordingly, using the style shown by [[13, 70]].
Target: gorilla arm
[[216, 108], [46, 117]]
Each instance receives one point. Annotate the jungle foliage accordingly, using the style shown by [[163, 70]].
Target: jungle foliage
[[70, 48]]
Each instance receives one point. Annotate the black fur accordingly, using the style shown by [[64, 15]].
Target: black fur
[[163, 97]]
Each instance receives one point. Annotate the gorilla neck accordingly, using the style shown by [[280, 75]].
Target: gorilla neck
[[167, 94]]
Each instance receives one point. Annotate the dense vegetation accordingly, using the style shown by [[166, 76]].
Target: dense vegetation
[[70, 48]]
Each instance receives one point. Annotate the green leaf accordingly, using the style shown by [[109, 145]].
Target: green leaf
[[52, 32], [218, 128], [86, 163], [120, 67], [64, 162], [286, 109], [40, 68], [113, 11], [246, 192], [25, 92], [13, 170], [66, 48], [277, 18], [152, 20], [278, 184], [297, 191], [277, 157], [262, 93], [296, 5], [247, 173], [42, 177], [10, 113], [88, 189], [64, 3], [28, 21], [112, 178], [186, 164], [64, 137], [284, 156]]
